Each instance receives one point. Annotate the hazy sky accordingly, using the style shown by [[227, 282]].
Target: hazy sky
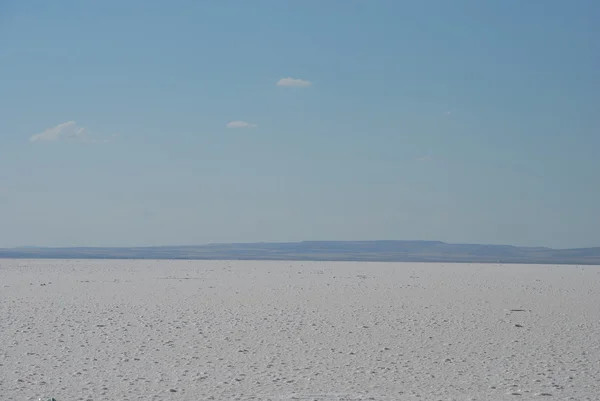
[[152, 122]]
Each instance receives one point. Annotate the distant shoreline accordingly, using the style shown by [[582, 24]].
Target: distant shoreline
[[343, 251]]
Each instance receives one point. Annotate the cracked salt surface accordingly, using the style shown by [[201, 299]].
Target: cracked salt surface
[[200, 330]]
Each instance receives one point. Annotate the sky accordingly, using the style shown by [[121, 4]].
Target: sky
[[137, 123]]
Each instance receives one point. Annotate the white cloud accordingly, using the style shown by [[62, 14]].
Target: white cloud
[[447, 113], [294, 82], [69, 130], [240, 124]]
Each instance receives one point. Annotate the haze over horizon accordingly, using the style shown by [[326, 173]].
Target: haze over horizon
[[140, 123], [183, 245]]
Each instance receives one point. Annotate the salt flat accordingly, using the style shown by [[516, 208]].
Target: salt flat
[[199, 330]]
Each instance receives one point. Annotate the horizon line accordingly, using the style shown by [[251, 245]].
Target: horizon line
[[294, 242]]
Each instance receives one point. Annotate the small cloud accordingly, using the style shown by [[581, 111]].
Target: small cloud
[[294, 83], [423, 159], [447, 113], [69, 130], [240, 124]]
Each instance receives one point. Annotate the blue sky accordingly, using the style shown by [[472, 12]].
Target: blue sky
[[147, 122]]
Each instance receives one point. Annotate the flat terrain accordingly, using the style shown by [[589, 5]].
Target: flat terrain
[[199, 330]]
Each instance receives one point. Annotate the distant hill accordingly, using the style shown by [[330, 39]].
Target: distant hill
[[384, 251]]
